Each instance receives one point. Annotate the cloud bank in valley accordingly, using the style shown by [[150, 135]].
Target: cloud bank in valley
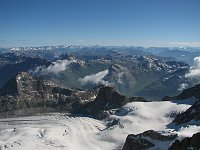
[[55, 67], [95, 78], [194, 70], [182, 86], [59, 65]]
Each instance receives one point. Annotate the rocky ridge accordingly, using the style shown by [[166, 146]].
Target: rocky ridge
[[145, 140], [187, 143], [25, 91]]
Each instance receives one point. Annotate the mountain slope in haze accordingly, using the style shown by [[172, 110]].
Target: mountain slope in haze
[[130, 75], [139, 72], [183, 54], [11, 64]]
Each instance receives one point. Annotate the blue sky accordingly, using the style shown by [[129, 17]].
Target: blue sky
[[104, 22]]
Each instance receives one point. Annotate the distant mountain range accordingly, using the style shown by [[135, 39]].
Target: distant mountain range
[[133, 71], [111, 84], [185, 54]]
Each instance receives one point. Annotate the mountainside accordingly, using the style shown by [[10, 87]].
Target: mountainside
[[130, 74], [190, 92], [133, 71], [120, 78], [191, 115], [107, 99], [146, 140], [11, 64], [187, 143], [25, 91]]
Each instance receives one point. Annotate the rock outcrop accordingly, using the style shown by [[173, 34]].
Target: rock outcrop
[[191, 114], [144, 140], [187, 143], [158, 136], [135, 143], [190, 92], [193, 92], [108, 98]]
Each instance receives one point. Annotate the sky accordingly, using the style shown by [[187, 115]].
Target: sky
[[102, 22]]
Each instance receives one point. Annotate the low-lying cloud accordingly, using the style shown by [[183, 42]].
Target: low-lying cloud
[[59, 65], [95, 78], [55, 67], [194, 70], [182, 86]]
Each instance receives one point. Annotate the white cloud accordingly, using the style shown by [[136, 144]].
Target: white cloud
[[55, 67], [59, 65], [182, 86], [194, 70], [95, 78]]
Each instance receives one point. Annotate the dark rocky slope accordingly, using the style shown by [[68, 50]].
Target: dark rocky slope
[[108, 98], [11, 64], [193, 92], [187, 143], [190, 92], [193, 113], [144, 140]]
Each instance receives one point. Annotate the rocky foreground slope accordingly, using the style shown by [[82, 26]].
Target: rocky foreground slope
[[187, 143], [25, 91], [193, 113]]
